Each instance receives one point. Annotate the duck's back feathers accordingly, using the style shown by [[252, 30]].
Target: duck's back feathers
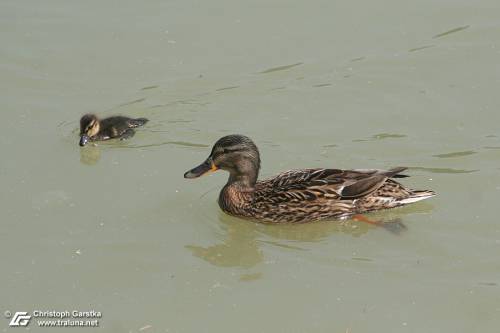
[[368, 182], [345, 183], [314, 194]]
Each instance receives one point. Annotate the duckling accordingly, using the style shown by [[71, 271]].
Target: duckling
[[303, 195], [94, 129]]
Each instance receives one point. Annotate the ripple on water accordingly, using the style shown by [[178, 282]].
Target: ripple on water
[[180, 102], [456, 154], [184, 144], [358, 59], [150, 87], [135, 101], [443, 170], [322, 85], [452, 31], [362, 259], [280, 68], [227, 88], [278, 88], [421, 48], [382, 136]]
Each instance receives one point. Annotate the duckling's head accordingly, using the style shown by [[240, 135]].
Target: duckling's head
[[89, 126], [236, 154]]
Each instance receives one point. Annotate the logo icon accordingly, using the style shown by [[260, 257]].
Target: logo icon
[[20, 319]]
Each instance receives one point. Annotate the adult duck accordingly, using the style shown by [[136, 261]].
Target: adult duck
[[302, 195]]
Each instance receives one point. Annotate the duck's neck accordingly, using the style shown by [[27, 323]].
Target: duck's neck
[[245, 172], [235, 199], [243, 181], [237, 194]]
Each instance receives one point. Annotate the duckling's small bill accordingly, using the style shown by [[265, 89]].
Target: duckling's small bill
[[84, 139], [200, 170]]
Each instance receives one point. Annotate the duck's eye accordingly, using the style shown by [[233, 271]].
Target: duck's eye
[[226, 151], [232, 150], [219, 151], [223, 151]]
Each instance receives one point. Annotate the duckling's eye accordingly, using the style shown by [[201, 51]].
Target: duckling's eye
[[91, 125]]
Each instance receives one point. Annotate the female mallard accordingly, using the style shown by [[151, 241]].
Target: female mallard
[[299, 195], [94, 129]]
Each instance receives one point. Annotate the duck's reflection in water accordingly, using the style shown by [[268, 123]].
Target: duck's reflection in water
[[240, 247], [90, 155], [244, 240]]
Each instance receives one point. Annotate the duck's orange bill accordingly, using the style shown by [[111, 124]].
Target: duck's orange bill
[[213, 167]]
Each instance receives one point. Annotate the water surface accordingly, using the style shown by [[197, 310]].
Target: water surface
[[115, 228]]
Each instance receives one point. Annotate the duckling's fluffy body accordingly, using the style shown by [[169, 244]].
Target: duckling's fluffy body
[[300, 195], [94, 129]]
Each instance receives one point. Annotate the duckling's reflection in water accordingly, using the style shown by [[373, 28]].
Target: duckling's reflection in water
[[90, 155], [244, 239]]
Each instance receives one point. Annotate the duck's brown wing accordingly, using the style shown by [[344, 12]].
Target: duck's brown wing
[[315, 184], [368, 183]]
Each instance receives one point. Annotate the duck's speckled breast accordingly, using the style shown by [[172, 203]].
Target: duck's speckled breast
[[236, 200]]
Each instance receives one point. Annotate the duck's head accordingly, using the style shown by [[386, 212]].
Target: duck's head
[[89, 126], [236, 154]]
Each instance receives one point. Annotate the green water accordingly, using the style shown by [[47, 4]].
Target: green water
[[346, 84]]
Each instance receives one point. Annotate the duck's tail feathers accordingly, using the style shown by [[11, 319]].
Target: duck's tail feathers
[[417, 196], [395, 172], [400, 176], [138, 122]]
